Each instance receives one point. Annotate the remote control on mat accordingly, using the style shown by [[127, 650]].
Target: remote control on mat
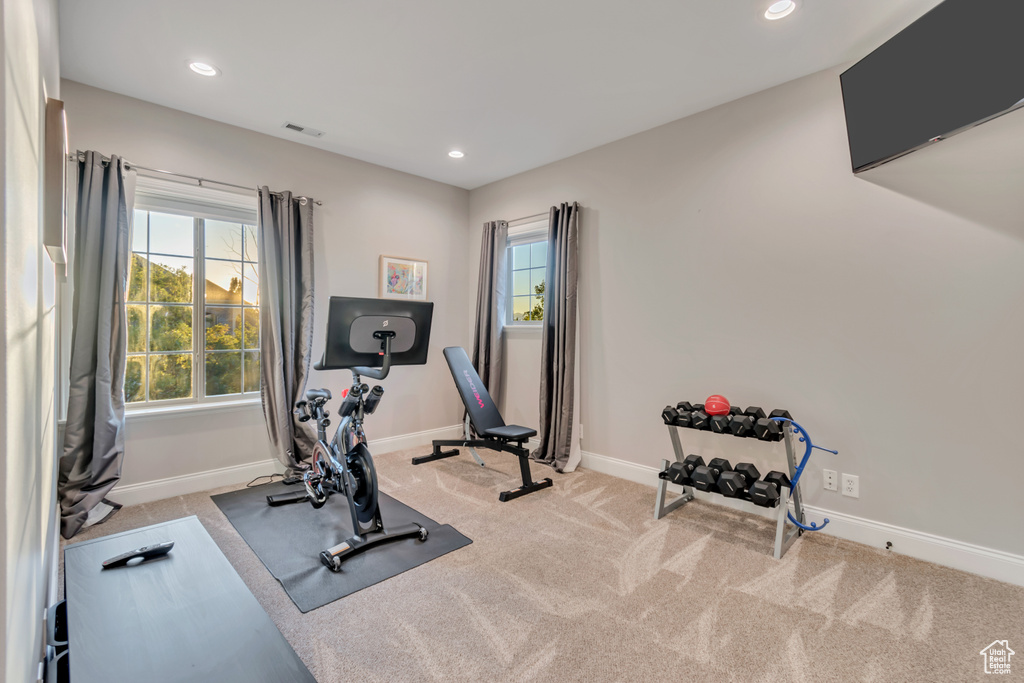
[[145, 552]]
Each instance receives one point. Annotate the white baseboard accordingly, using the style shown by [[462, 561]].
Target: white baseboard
[[994, 564], [149, 491], [976, 559], [400, 443]]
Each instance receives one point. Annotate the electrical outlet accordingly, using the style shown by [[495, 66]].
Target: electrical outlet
[[851, 485], [831, 480]]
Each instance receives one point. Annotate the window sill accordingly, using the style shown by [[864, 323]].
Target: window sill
[[163, 412], [524, 331]]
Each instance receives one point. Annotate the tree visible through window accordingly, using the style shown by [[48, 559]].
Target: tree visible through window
[[528, 266], [173, 353]]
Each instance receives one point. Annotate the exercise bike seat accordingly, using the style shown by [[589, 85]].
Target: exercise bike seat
[[314, 394], [510, 432]]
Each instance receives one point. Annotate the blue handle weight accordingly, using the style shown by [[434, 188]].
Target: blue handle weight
[[804, 438]]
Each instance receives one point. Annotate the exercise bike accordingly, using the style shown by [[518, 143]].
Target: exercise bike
[[344, 464]]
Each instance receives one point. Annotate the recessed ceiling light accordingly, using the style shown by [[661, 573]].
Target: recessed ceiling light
[[782, 8], [204, 69], [456, 154]]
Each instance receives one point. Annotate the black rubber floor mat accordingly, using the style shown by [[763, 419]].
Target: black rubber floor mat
[[288, 540]]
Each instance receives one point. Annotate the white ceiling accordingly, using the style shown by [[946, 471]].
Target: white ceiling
[[514, 85]]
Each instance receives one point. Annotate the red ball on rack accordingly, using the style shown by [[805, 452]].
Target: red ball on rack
[[717, 405]]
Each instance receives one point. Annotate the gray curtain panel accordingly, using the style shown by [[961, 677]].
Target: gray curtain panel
[[286, 319], [559, 381], [490, 306], [94, 435]]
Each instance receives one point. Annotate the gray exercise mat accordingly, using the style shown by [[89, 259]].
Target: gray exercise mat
[[288, 540]]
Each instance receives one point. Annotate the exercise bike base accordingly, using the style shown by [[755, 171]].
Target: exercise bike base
[[333, 557], [436, 455], [523, 490]]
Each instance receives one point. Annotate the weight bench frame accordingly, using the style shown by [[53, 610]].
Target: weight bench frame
[[529, 486], [483, 415]]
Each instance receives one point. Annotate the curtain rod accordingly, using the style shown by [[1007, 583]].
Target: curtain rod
[[79, 155], [528, 219]]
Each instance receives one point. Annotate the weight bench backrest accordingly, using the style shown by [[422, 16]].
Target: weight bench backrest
[[482, 412]]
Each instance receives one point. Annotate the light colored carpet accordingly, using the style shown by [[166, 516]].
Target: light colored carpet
[[580, 583]]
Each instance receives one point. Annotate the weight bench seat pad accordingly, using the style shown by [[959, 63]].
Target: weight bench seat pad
[[511, 432]]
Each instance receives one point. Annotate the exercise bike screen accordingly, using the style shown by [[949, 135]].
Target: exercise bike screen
[[352, 322]]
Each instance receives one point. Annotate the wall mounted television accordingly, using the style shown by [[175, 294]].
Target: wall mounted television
[[959, 65]]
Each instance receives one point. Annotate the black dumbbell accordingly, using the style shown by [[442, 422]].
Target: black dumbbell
[[720, 424], [705, 477], [779, 412], [737, 482], [675, 473], [669, 415], [720, 464], [778, 479], [735, 410], [697, 406], [684, 405], [767, 429], [766, 493], [700, 420], [684, 419], [741, 425], [692, 462], [679, 472], [755, 412]]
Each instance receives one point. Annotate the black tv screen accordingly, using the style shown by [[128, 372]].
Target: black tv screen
[[960, 64]]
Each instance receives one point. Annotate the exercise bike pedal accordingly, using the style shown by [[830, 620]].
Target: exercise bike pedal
[[316, 495]]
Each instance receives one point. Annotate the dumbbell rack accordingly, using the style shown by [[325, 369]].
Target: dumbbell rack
[[783, 537]]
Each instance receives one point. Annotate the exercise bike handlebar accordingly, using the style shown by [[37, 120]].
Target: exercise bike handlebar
[[385, 368], [799, 470], [375, 373]]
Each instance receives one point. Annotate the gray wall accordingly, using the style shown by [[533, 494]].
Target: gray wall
[[367, 211], [734, 252], [27, 352]]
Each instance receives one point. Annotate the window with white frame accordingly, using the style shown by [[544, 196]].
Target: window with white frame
[[527, 268], [193, 298]]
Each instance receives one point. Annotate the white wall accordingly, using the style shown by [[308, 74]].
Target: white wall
[[27, 421], [520, 392], [734, 252], [367, 211]]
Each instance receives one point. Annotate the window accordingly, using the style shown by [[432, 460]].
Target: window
[[193, 303], [527, 268]]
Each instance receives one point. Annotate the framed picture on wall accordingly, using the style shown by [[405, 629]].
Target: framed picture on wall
[[402, 278]]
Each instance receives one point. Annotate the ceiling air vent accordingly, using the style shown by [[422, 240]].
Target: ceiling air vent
[[305, 130]]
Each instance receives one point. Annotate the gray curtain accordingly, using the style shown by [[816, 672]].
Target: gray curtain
[[490, 306], [94, 434], [559, 380], [286, 319]]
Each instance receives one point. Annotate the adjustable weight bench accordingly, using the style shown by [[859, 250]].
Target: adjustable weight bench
[[492, 432]]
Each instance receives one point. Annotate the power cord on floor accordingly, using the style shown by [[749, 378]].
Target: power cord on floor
[[288, 478], [270, 478]]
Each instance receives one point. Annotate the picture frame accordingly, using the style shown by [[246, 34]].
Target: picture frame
[[402, 278]]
